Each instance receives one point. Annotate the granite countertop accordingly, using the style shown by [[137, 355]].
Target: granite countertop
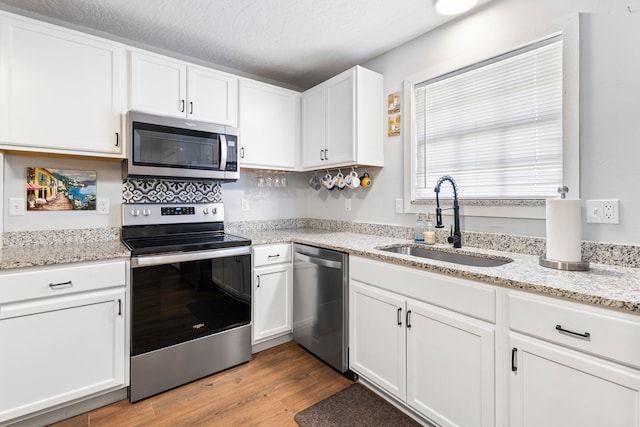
[[603, 285], [45, 255]]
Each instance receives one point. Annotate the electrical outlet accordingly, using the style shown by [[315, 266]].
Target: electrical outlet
[[16, 206], [399, 206], [244, 205], [603, 211], [102, 207], [347, 205]]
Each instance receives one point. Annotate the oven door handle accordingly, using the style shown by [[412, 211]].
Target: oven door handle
[[150, 260]]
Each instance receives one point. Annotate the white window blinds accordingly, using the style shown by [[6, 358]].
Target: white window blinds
[[496, 128]]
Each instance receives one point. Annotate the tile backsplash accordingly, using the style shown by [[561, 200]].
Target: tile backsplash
[[155, 190]]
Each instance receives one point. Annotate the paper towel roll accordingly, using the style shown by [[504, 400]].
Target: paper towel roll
[[564, 230]]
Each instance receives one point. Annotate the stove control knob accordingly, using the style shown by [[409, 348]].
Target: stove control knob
[[214, 211], [146, 212], [135, 212], [205, 211]]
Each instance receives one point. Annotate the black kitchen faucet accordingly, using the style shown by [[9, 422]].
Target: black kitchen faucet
[[456, 236]]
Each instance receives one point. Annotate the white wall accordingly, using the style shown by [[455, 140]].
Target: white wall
[[109, 184], [608, 104], [265, 203]]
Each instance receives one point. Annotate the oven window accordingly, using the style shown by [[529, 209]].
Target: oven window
[[155, 145], [175, 303]]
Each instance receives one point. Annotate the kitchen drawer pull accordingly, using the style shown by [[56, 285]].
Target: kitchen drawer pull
[[61, 285], [514, 352], [399, 316], [276, 256], [258, 281], [408, 318], [585, 335]]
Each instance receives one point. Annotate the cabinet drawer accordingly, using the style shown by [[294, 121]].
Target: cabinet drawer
[[20, 285], [601, 332], [271, 254], [464, 296]]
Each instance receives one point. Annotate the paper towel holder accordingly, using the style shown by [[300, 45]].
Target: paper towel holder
[[564, 265]]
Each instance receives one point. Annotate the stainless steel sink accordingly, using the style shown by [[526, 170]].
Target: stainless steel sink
[[453, 257]]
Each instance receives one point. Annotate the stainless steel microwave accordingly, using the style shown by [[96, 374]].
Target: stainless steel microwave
[[180, 148]]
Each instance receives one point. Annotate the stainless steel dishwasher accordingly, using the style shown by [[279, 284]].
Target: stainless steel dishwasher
[[320, 304]]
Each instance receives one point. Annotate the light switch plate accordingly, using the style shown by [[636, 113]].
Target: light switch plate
[[16, 206], [102, 207], [244, 205]]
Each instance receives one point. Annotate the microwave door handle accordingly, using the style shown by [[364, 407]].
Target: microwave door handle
[[223, 152]]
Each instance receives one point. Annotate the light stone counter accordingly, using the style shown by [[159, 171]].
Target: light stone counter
[[45, 255], [603, 285]]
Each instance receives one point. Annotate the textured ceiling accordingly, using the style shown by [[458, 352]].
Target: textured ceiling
[[296, 42]]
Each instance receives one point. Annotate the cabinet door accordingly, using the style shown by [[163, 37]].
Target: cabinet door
[[212, 96], [313, 127], [61, 91], [158, 85], [268, 122], [450, 366], [341, 135], [553, 386], [59, 349], [377, 340], [272, 300]]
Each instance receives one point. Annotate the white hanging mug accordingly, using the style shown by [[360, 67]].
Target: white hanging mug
[[352, 180]]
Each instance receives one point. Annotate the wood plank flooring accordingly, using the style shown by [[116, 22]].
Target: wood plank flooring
[[267, 391]]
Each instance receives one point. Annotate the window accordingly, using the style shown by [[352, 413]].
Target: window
[[495, 127]]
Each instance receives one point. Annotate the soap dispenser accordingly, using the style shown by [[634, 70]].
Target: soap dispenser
[[419, 230], [429, 234]]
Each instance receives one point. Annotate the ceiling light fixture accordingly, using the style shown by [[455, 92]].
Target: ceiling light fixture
[[453, 7]]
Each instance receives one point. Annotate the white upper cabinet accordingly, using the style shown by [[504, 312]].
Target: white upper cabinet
[[169, 87], [269, 122], [342, 121], [61, 90]]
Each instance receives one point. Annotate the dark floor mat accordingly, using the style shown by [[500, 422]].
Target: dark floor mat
[[355, 406]]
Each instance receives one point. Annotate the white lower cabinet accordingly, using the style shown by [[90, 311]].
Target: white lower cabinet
[[272, 291], [377, 338], [554, 386], [571, 364], [450, 366], [62, 331], [438, 361]]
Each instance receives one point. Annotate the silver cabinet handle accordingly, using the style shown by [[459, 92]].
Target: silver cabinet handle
[[326, 154], [61, 285], [190, 107], [276, 256], [399, 316], [257, 281], [321, 154], [182, 105], [408, 319], [117, 139]]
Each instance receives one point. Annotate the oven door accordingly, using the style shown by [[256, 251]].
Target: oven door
[[176, 298]]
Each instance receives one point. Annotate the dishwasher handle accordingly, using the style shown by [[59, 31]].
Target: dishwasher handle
[[303, 256]]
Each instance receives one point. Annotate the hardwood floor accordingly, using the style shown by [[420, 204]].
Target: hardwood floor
[[267, 391]]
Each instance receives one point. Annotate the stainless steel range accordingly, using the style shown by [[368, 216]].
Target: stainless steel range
[[190, 295]]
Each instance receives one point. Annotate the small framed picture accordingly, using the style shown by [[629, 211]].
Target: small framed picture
[[393, 106], [60, 189], [394, 125]]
